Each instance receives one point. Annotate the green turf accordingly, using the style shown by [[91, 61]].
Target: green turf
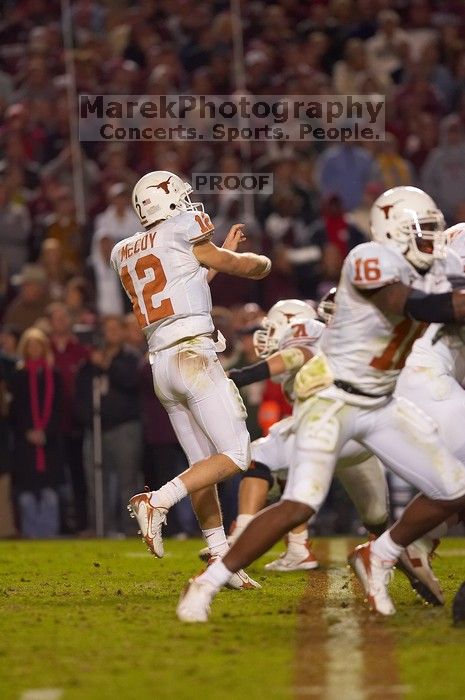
[[96, 618], [430, 651]]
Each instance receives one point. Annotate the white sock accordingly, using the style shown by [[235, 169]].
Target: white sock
[[386, 549], [242, 520], [297, 539], [216, 540], [216, 575], [169, 494]]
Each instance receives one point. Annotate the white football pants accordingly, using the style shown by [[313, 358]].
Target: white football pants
[[204, 406], [400, 434], [442, 398], [361, 474]]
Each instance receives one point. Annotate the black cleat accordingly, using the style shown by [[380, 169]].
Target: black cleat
[[458, 606]]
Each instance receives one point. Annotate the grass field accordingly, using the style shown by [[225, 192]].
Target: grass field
[[91, 620]]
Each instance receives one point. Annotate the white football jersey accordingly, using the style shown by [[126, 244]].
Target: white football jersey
[[441, 348], [166, 284], [365, 347], [305, 334]]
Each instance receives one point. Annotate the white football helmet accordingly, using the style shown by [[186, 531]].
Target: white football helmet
[[281, 315], [161, 195], [408, 218]]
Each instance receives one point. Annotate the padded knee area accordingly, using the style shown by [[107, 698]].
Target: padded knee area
[[257, 470]]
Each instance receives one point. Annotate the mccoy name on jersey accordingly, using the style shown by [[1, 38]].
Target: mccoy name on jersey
[[365, 347], [164, 281]]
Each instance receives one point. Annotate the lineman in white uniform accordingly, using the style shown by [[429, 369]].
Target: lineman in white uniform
[[164, 270], [388, 289], [292, 324]]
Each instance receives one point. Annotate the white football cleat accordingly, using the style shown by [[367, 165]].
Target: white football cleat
[[150, 521], [374, 578], [240, 581], [415, 563], [195, 600], [302, 559]]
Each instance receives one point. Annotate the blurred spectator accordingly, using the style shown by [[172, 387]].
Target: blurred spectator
[[35, 413], [134, 337], [394, 170], [443, 174], [335, 236], [348, 73], [31, 300], [57, 270], [109, 294], [360, 217], [61, 225], [15, 227], [69, 354], [113, 370], [384, 49], [118, 221], [346, 169], [78, 299], [7, 525]]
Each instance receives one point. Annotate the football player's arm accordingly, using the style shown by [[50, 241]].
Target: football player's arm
[[248, 265], [402, 300], [235, 236], [287, 360]]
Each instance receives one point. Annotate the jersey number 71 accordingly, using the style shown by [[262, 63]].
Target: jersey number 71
[[149, 270]]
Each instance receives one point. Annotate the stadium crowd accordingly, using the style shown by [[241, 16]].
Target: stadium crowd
[[66, 331]]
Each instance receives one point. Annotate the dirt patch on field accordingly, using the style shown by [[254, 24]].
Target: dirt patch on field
[[342, 651], [312, 631]]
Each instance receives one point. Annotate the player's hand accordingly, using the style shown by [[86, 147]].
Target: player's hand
[[235, 236]]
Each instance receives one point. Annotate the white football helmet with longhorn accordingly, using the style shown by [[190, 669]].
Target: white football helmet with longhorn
[[408, 218], [160, 195], [278, 319]]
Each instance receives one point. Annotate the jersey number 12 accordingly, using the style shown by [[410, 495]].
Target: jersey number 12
[[145, 312]]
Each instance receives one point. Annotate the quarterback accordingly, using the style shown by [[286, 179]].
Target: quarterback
[[164, 269], [389, 289]]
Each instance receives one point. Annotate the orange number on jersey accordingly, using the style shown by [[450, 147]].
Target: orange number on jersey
[[299, 330], [204, 222], [398, 348], [151, 287], [367, 270]]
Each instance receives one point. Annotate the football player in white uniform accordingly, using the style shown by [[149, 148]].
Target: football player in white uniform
[[164, 270], [433, 378], [291, 323], [389, 288], [289, 337]]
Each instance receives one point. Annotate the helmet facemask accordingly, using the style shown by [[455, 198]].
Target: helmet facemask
[[266, 339], [185, 203], [425, 237]]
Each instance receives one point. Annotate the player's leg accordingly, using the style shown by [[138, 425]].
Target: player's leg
[[322, 430], [208, 419], [363, 478], [272, 455], [269, 454], [408, 442]]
